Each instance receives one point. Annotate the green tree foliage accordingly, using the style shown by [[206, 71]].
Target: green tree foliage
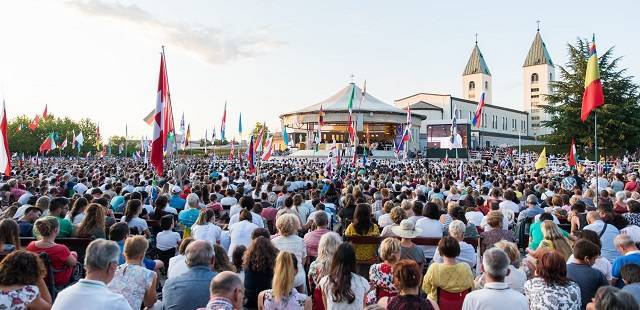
[[27, 141], [618, 121], [256, 131]]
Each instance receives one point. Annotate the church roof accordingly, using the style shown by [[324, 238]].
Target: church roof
[[476, 63], [421, 105], [339, 103], [538, 54]]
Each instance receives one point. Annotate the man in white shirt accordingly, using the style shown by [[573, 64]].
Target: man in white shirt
[[507, 203], [101, 261], [496, 294]]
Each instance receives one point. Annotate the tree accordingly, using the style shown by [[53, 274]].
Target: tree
[[256, 131], [618, 122], [23, 140]]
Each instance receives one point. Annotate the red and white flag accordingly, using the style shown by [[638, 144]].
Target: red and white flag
[[34, 123], [159, 119], [5, 157], [45, 113], [64, 144], [572, 154], [268, 149]]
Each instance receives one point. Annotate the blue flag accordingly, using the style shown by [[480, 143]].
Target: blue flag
[[285, 136], [240, 124]]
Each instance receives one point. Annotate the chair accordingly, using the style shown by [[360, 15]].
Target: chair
[[451, 301], [49, 281]]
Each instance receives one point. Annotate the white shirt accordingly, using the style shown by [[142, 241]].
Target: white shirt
[[467, 255], [555, 219], [20, 212], [474, 217], [167, 240], [235, 209], [430, 229], [137, 222], [89, 294], [508, 204], [228, 201], [486, 227], [177, 266], [359, 286], [255, 218], [385, 220], [633, 231], [608, 248], [495, 295], [240, 234], [293, 244], [209, 232]]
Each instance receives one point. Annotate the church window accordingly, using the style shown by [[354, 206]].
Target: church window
[[533, 90], [472, 85], [486, 85], [534, 78]]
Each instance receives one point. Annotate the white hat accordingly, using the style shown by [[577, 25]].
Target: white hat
[[406, 229], [176, 189]]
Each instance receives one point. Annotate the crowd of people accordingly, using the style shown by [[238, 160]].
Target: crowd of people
[[412, 234]]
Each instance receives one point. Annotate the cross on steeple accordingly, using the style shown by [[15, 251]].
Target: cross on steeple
[[352, 78], [538, 23], [476, 38]]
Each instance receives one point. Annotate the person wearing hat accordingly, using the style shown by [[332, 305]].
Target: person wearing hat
[[408, 250], [175, 201]]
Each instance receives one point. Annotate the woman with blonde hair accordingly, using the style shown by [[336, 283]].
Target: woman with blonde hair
[[553, 240], [397, 215], [205, 229], [133, 280], [381, 275], [283, 294], [93, 223], [320, 267], [289, 241]]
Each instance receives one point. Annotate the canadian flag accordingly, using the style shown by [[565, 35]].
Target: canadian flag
[[572, 154], [159, 119], [5, 158], [45, 113]]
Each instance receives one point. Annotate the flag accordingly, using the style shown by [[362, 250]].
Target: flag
[[5, 157], [368, 136], [34, 123], [136, 155], [240, 126], [477, 116], [409, 117], [149, 119], [223, 126], [258, 142], [446, 157], [213, 134], [321, 117], [542, 159], [232, 150], [572, 154], [120, 148], [406, 135], [328, 166], [45, 113], [593, 97], [80, 140], [187, 136], [352, 129], [182, 132], [454, 128], [363, 94], [396, 149], [98, 142], [159, 125], [63, 145], [48, 144], [268, 149], [251, 156], [285, 137]]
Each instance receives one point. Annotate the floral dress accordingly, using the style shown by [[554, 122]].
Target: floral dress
[[294, 301], [544, 296], [18, 299], [315, 274], [381, 280], [132, 281]]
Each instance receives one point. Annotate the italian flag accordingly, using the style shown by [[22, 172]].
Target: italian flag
[[49, 144]]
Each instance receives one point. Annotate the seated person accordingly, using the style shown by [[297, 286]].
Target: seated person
[[119, 232]]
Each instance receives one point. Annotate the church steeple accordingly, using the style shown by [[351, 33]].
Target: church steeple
[[538, 54], [476, 63]]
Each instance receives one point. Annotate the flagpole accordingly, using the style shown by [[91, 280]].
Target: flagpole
[[595, 125]]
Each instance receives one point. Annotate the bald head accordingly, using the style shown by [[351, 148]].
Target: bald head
[[224, 283], [198, 253], [592, 216]]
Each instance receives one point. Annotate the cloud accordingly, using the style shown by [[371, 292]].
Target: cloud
[[210, 44]]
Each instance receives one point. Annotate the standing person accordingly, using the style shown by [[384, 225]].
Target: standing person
[[226, 292], [406, 277], [132, 280], [342, 288], [496, 294], [589, 279], [321, 266], [283, 294], [550, 288], [363, 226], [61, 258], [449, 275], [287, 240], [93, 223], [189, 290], [258, 263], [100, 262], [22, 283]]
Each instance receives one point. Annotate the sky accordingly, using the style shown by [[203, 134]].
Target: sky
[[100, 59]]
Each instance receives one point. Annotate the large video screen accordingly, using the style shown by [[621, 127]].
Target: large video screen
[[439, 137]]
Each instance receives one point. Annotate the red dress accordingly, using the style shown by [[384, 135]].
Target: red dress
[[58, 255]]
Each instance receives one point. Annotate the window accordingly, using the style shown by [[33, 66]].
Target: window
[[535, 118], [535, 96], [534, 78], [486, 85], [533, 90], [550, 76], [522, 124], [472, 85], [484, 120], [470, 115]]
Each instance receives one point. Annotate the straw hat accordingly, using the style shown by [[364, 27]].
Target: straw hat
[[406, 229]]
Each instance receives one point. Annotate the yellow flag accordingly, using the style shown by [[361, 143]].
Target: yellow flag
[[542, 159]]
